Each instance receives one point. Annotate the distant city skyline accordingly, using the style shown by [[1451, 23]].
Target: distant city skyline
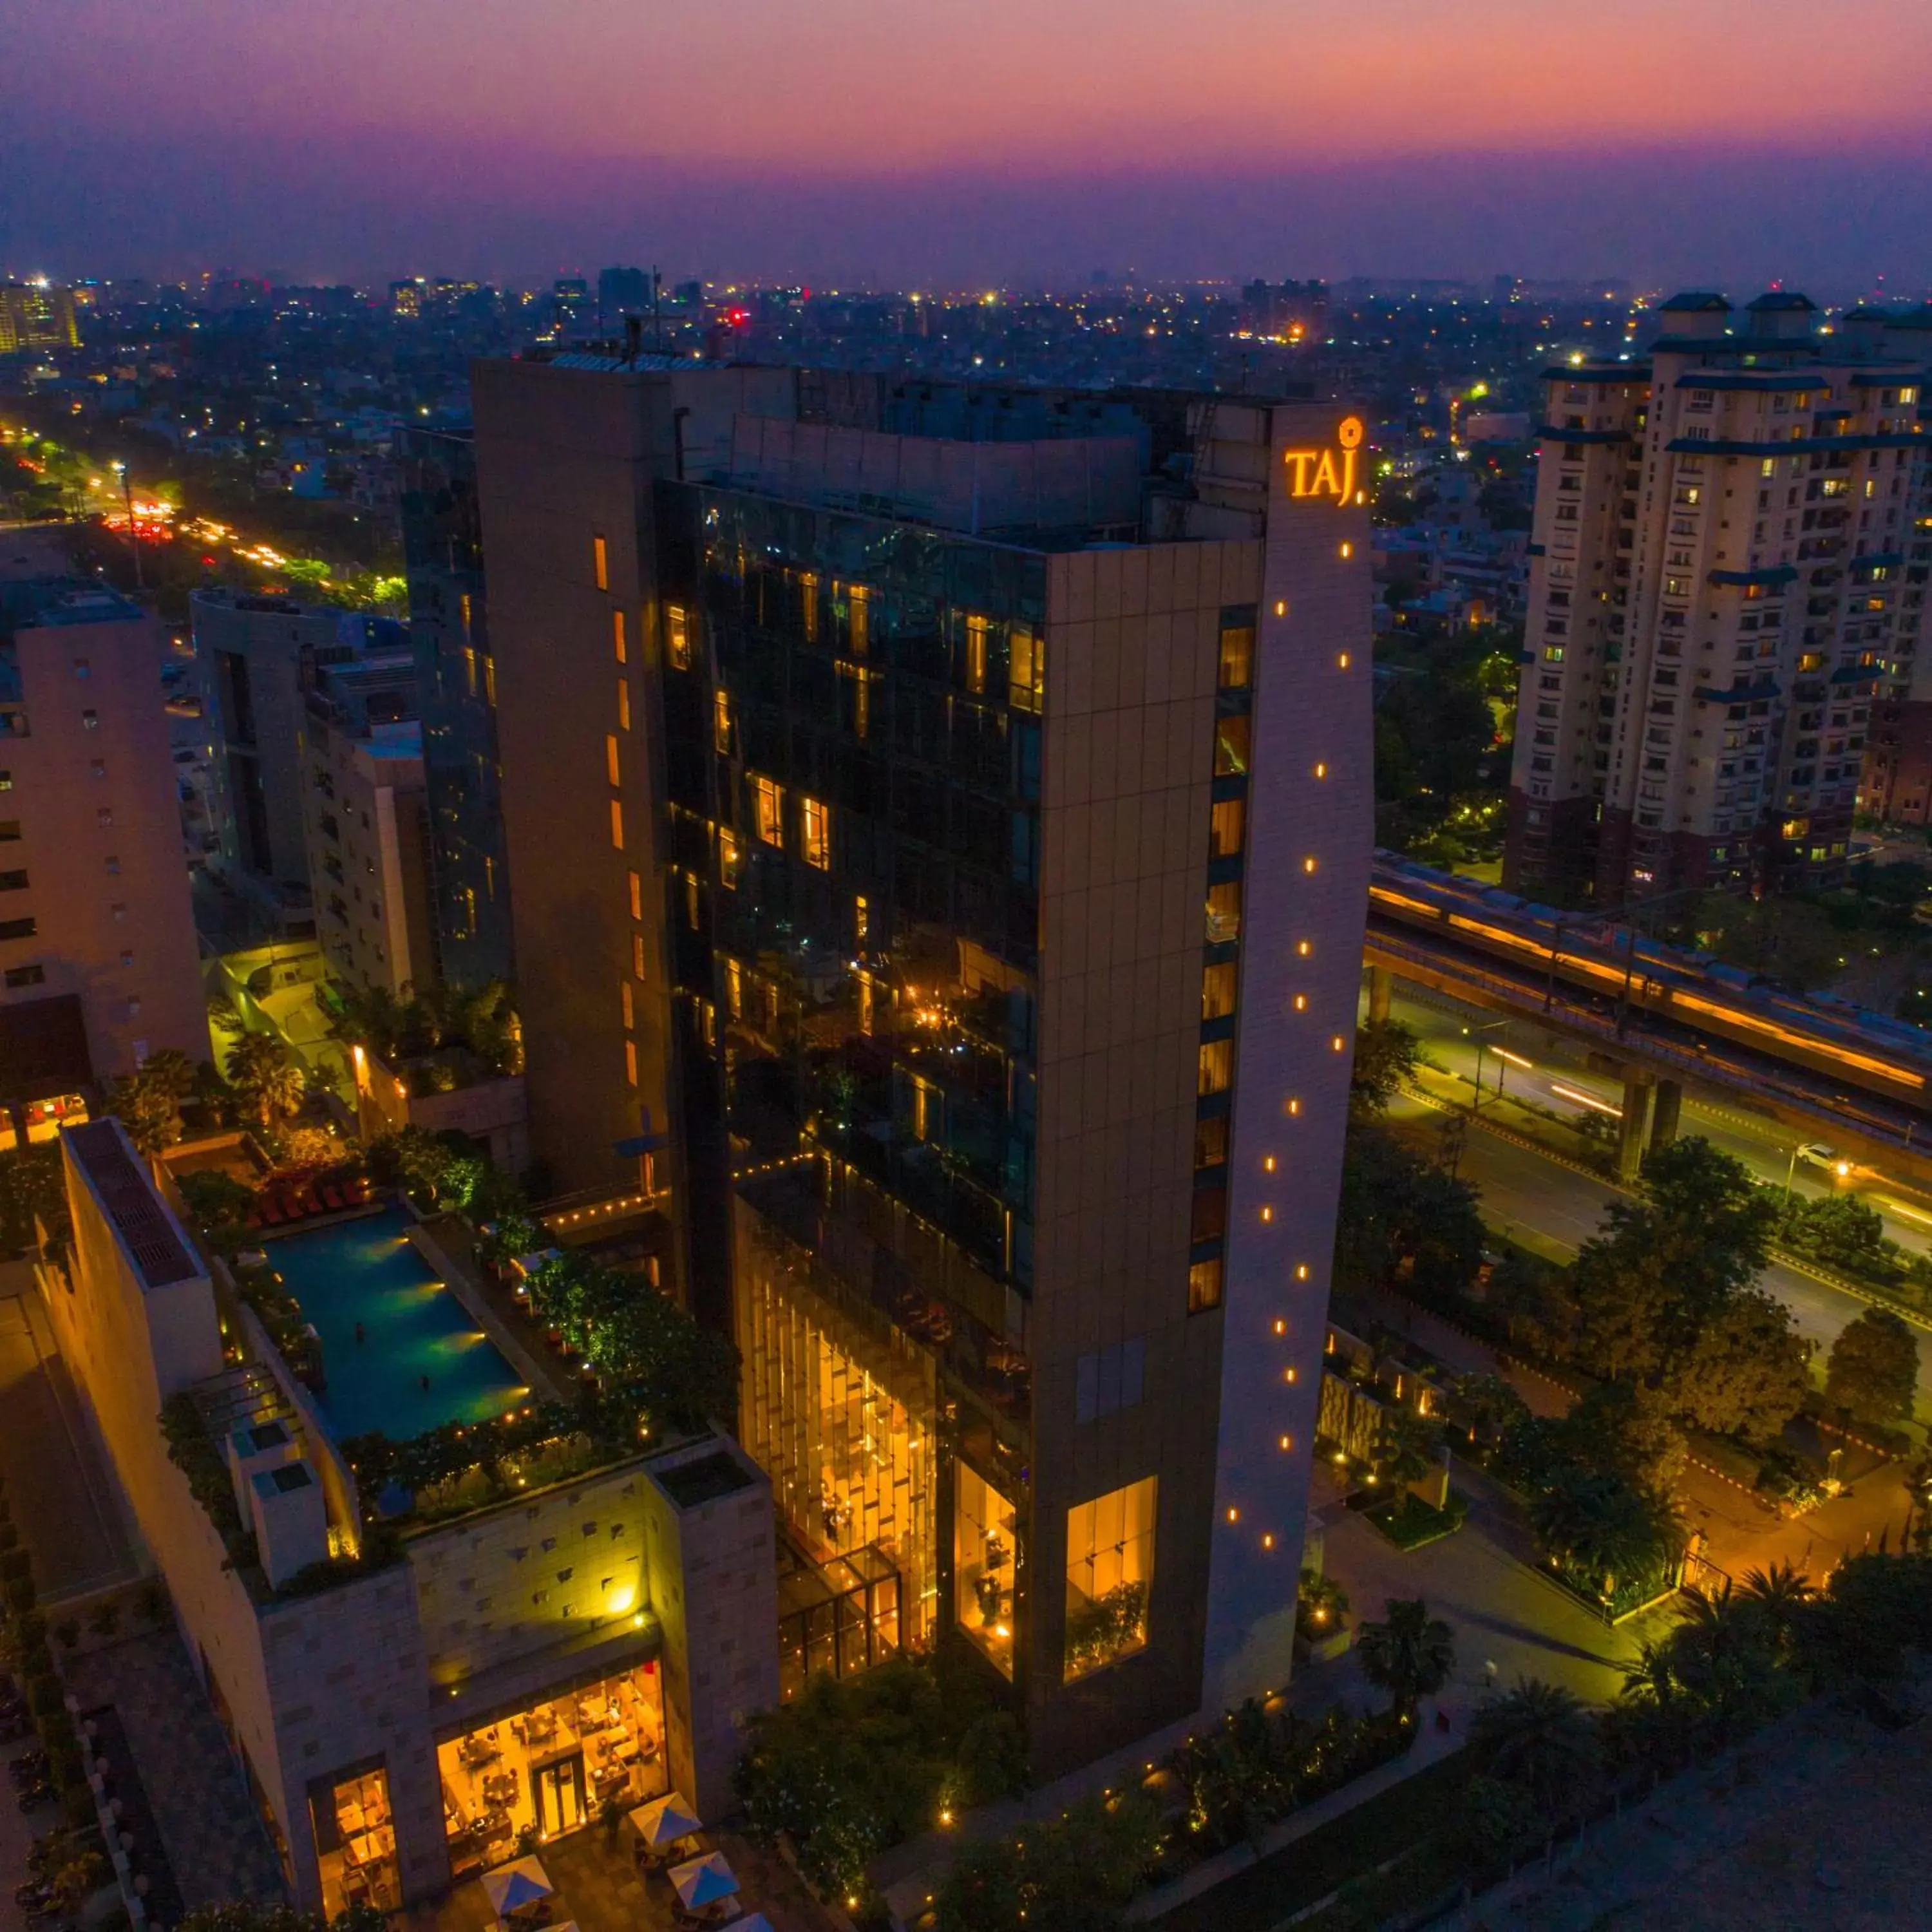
[[1731, 141]]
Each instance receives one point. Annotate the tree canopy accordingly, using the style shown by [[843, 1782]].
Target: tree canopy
[[1409, 1653], [1873, 1369]]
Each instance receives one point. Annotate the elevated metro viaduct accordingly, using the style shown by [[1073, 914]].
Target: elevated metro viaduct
[[1657, 1053]]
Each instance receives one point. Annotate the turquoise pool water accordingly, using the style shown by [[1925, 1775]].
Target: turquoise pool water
[[365, 1271]]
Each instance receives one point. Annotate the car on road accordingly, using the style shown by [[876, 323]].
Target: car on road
[[1816, 1154]]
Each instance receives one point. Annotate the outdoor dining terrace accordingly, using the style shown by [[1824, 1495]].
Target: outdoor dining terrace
[[612, 1879]]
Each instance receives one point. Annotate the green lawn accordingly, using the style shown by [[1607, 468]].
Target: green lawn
[[1408, 1522], [1298, 1874]]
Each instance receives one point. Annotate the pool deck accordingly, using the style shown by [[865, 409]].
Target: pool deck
[[440, 1242], [402, 1352]]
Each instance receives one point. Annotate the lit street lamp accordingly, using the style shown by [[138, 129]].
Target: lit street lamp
[[1482, 1047], [133, 542]]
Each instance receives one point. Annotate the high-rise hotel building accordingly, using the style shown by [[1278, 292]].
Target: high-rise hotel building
[[940, 820], [1721, 592]]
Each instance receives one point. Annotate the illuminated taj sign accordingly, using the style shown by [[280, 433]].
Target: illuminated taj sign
[[1329, 472]]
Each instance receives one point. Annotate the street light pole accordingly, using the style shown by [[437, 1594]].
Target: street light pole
[[1483, 1047], [134, 541]]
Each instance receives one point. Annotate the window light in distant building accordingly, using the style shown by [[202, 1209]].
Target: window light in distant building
[[600, 562]]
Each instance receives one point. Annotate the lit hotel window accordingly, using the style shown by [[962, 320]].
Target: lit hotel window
[[600, 559], [612, 770], [976, 628], [1217, 990], [768, 804], [1217, 1066], [623, 705], [677, 637], [1237, 653], [815, 828], [617, 823], [1224, 912], [617, 639], [1227, 826], [1026, 684], [1109, 1572], [1204, 1285]]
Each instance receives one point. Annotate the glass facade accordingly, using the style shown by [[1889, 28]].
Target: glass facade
[[456, 680], [986, 1544], [853, 749], [840, 1409]]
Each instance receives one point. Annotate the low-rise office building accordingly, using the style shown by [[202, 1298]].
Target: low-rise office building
[[410, 1680]]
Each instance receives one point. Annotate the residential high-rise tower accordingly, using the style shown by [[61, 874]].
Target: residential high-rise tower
[[98, 964], [1719, 596]]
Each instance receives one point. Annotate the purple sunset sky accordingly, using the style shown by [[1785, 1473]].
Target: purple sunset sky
[[937, 142]]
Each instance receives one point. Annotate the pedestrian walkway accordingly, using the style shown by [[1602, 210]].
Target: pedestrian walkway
[[58, 1485], [215, 1844]]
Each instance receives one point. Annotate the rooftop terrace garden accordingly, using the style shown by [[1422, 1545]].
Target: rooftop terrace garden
[[438, 1041], [651, 1373]]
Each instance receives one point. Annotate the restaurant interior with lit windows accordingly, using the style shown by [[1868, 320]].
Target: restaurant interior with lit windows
[[552, 1768]]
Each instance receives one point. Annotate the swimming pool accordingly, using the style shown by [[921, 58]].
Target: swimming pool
[[365, 1276]]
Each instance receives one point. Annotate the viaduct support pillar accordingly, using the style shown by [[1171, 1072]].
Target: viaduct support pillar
[[1639, 1112], [1382, 983], [1664, 1117]]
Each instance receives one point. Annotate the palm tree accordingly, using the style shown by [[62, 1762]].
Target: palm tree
[[1723, 1656], [1776, 1598], [1321, 1604], [1409, 1655], [1540, 1736], [171, 1070], [264, 1077], [1605, 1527], [1406, 1447]]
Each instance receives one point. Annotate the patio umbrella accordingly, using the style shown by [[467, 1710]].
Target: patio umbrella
[[665, 1820], [511, 1887], [703, 1881]]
